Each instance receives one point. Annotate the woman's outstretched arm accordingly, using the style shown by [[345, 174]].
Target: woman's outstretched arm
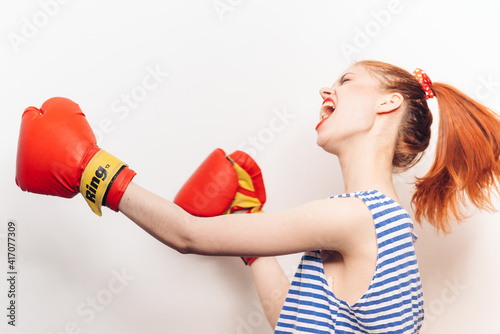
[[323, 224]]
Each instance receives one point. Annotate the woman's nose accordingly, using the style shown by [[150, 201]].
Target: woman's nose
[[325, 92]]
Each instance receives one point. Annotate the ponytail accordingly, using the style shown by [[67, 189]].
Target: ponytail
[[466, 163]]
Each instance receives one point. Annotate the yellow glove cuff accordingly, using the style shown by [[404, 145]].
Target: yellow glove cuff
[[97, 177]]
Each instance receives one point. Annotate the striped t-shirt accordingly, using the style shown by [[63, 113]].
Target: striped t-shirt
[[393, 302]]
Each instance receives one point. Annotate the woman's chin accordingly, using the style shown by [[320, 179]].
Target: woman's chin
[[320, 141], [325, 144]]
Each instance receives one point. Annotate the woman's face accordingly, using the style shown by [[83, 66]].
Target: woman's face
[[349, 109]]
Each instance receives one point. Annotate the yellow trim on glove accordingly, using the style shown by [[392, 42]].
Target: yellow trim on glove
[[244, 180], [241, 200], [96, 178], [244, 202]]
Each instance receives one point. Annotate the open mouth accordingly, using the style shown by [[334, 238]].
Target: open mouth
[[326, 110]]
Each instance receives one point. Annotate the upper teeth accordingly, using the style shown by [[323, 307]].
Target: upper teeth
[[329, 103], [327, 109]]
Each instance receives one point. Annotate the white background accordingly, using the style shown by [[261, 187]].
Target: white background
[[231, 70]]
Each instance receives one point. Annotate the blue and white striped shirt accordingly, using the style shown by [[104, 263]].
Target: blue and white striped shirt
[[393, 302]]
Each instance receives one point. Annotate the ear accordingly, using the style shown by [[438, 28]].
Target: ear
[[389, 103]]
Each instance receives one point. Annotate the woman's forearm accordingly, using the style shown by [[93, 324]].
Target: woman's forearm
[[272, 286], [161, 218]]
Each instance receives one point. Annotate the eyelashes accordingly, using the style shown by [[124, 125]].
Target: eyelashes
[[343, 79]]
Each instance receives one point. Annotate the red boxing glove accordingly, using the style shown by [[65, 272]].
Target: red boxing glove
[[222, 185], [57, 155], [211, 188]]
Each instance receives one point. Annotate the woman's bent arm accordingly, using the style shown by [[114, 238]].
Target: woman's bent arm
[[272, 286]]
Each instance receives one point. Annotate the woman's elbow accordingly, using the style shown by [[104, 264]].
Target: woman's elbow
[[183, 250], [192, 237], [179, 237], [194, 243], [185, 246], [187, 241]]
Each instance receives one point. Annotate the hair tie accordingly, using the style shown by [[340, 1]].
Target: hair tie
[[425, 81]]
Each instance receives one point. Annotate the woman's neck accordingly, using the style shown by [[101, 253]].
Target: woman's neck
[[368, 167]]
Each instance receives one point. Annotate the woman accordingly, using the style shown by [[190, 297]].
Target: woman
[[359, 273]]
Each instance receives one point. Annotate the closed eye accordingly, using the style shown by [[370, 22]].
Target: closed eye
[[344, 78]]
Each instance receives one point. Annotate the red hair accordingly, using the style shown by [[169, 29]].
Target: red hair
[[466, 163]]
